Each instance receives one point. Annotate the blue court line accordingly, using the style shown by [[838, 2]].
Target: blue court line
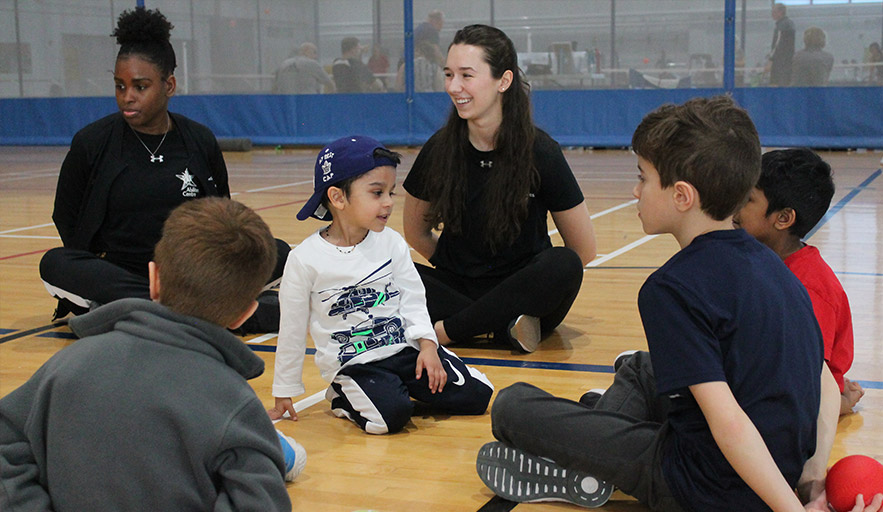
[[864, 274], [841, 203], [61, 334], [542, 365], [21, 334], [6, 331], [479, 361]]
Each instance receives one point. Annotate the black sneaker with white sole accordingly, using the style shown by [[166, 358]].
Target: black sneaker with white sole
[[518, 476]]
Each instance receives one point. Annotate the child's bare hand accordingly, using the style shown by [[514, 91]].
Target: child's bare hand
[[428, 360], [820, 504], [852, 391], [282, 405]]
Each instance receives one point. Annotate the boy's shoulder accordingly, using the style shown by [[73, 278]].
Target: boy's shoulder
[[719, 264], [814, 272]]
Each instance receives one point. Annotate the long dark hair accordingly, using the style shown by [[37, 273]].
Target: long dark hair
[[513, 174], [145, 33]]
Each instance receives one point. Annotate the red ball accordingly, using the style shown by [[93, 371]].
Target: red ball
[[851, 476]]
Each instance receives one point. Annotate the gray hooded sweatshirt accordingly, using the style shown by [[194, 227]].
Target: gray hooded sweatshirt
[[150, 410]]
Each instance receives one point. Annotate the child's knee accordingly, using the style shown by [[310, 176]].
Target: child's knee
[[394, 417], [507, 404]]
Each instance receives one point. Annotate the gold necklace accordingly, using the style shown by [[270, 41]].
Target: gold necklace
[[153, 156]]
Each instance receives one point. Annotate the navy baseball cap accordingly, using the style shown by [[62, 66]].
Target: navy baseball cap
[[344, 158]]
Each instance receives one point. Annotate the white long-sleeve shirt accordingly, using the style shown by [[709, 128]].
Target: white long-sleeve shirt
[[359, 306]]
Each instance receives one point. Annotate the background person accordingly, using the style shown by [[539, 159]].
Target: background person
[[351, 75], [125, 173], [302, 73], [782, 49], [491, 178], [812, 66]]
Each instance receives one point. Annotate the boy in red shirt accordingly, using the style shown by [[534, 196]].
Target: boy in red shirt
[[793, 193]]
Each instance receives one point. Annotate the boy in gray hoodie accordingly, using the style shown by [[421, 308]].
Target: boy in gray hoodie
[[151, 410]]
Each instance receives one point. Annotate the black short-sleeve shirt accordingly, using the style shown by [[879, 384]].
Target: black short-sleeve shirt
[[468, 253]]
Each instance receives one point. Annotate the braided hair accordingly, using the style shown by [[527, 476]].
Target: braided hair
[[145, 33]]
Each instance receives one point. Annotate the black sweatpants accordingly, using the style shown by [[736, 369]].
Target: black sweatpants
[[89, 281], [545, 288]]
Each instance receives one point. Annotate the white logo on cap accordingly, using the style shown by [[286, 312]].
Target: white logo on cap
[[326, 165]]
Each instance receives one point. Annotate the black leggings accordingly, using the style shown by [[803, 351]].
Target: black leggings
[[89, 281], [546, 288]]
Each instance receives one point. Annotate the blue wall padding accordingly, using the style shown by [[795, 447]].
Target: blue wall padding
[[824, 117]]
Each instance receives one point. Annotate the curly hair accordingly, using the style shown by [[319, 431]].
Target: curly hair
[[514, 173], [146, 33]]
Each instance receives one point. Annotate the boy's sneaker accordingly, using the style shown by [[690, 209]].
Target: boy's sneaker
[[265, 318], [621, 358], [518, 476], [295, 456], [524, 332], [591, 397]]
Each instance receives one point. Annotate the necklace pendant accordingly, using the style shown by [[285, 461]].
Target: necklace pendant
[[157, 158]]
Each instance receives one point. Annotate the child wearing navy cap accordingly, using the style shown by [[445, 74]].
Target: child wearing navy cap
[[354, 285]]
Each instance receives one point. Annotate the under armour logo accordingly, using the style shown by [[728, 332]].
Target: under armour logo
[[154, 159], [486, 163]]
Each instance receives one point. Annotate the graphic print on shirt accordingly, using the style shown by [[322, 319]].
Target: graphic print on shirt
[[188, 185], [375, 331], [360, 297]]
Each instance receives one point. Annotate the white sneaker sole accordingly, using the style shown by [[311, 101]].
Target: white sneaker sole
[[525, 332], [518, 476]]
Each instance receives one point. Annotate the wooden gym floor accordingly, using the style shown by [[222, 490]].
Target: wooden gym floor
[[431, 465]]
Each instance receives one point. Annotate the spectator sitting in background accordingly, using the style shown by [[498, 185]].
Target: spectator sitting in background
[[428, 75], [812, 65], [301, 73]]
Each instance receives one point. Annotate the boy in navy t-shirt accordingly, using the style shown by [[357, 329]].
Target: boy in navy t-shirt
[[722, 413]]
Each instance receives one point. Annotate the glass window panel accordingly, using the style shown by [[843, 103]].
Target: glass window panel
[[851, 35], [233, 46]]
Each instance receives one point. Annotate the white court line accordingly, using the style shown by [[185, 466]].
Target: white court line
[[19, 178], [629, 247], [604, 212], [611, 210], [26, 228], [280, 186], [32, 236], [304, 404], [265, 337]]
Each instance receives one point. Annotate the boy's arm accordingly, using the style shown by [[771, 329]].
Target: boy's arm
[[812, 480], [412, 301], [249, 465], [291, 345], [20, 487], [742, 445]]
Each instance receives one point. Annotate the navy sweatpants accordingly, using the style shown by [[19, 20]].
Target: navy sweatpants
[[377, 395]]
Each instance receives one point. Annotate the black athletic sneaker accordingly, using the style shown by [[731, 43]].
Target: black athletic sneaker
[[516, 475], [265, 318], [66, 307], [621, 358], [591, 397]]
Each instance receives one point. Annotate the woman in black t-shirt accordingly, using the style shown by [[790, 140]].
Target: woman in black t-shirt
[[125, 173], [490, 177]]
